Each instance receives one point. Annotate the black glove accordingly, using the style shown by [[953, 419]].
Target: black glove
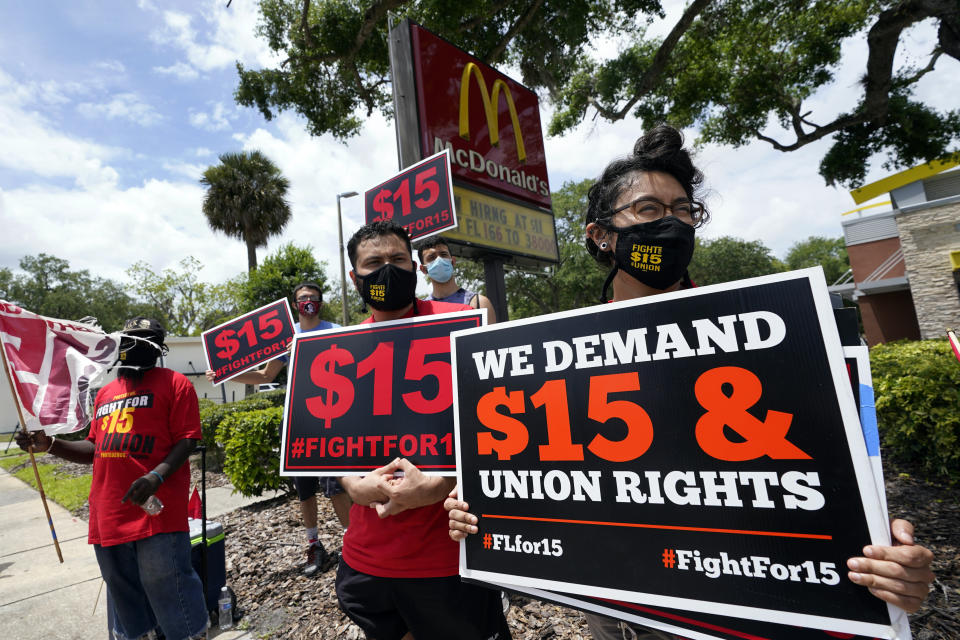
[[41, 441], [142, 488]]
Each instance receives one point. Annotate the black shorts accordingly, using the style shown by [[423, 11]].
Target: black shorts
[[307, 486], [429, 608]]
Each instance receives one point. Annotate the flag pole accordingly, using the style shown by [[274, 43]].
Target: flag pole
[[33, 460], [954, 343]]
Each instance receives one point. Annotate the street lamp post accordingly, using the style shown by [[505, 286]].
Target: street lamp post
[[343, 269]]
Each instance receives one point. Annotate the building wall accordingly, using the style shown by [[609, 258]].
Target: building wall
[[888, 316], [866, 257], [927, 235]]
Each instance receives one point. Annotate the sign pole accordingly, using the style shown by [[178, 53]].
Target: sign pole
[[496, 287], [33, 460]]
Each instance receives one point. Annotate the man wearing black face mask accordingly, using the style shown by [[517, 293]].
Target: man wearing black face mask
[[308, 298], [398, 574]]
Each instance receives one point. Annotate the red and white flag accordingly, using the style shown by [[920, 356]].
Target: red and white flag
[[954, 343], [54, 364]]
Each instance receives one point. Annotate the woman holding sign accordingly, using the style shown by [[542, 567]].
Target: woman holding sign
[[640, 223]]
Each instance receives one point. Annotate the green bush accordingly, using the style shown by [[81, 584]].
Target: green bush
[[917, 390], [251, 442], [212, 414]]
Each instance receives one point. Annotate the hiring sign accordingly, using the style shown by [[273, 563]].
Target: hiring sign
[[246, 342], [419, 198], [699, 450], [359, 397]]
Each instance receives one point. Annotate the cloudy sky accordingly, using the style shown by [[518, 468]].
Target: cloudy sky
[[111, 110]]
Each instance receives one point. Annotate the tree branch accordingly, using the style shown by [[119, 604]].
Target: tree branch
[[882, 40], [517, 27], [937, 52], [374, 14], [305, 24], [364, 91], [652, 74], [470, 25]]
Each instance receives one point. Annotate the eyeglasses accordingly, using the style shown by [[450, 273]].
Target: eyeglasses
[[311, 298], [647, 209]]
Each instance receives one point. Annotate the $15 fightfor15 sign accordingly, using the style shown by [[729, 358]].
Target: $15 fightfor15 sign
[[360, 396], [419, 198], [248, 341]]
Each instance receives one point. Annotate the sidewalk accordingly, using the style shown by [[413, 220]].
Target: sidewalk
[[41, 599]]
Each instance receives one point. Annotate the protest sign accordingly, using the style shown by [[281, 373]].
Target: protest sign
[[358, 397], [699, 450], [419, 198], [246, 342], [701, 626]]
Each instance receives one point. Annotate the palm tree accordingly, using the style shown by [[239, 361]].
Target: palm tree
[[246, 199]]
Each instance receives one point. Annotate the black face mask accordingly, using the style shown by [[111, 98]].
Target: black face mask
[[656, 253], [138, 354], [388, 288]]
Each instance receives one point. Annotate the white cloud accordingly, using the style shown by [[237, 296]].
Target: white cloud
[[216, 120], [185, 169], [180, 70], [202, 152], [122, 106], [106, 231], [213, 39], [111, 66], [32, 144]]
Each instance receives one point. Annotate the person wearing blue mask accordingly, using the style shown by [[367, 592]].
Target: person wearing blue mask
[[437, 264]]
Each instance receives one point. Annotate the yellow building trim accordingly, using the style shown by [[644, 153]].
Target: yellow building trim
[[897, 180], [869, 206]]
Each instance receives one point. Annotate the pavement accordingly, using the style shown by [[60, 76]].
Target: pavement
[[42, 599]]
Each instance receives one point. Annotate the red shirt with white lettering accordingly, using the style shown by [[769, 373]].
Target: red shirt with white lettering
[[413, 543], [135, 425]]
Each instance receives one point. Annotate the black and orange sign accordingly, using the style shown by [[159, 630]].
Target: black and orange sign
[[360, 396], [246, 342], [419, 198], [697, 450]]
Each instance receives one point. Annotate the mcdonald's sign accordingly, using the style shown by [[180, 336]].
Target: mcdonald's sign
[[489, 122]]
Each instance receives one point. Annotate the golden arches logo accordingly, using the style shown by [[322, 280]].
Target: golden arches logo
[[490, 108]]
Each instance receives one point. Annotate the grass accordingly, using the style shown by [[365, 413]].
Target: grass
[[70, 492]]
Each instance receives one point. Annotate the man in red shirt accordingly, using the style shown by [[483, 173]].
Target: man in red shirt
[[398, 575], [145, 424]]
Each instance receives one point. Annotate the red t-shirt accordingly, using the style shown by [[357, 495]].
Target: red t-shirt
[[413, 543], [135, 424]]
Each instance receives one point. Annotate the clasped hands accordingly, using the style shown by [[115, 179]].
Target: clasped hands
[[390, 492]]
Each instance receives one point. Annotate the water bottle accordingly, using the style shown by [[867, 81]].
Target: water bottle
[[225, 607], [152, 505]]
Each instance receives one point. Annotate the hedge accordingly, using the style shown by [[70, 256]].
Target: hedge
[[917, 392], [252, 447], [212, 414]]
